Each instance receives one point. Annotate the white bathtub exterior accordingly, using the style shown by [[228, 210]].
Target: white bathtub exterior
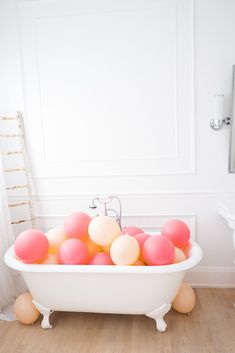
[[104, 289]]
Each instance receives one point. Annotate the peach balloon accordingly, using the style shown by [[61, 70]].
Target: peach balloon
[[141, 237], [76, 225], [50, 259], [103, 230], [184, 301], [177, 232], [132, 230], [125, 250], [179, 255], [73, 252], [56, 237], [186, 249], [24, 309], [31, 246], [106, 248], [158, 250], [92, 247], [139, 263], [101, 258]]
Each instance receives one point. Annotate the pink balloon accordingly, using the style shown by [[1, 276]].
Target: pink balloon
[[141, 237], [101, 258], [73, 252], [132, 230], [31, 246], [177, 232], [76, 225], [158, 250]]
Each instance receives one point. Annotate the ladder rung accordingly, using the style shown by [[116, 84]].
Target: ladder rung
[[19, 204], [8, 118], [22, 221], [12, 170], [16, 187], [10, 153], [10, 135]]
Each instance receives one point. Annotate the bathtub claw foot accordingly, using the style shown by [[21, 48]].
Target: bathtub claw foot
[[46, 315], [158, 315]]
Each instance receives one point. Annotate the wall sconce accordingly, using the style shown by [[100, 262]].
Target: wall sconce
[[218, 120]]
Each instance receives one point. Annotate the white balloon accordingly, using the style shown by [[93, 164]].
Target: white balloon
[[56, 237], [103, 230]]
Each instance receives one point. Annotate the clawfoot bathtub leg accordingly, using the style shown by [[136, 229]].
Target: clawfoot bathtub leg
[[46, 314], [158, 315]]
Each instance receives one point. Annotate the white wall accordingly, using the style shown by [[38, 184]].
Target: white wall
[[168, 106]]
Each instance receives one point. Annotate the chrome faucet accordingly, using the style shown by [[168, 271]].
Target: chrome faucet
[[105, 200]]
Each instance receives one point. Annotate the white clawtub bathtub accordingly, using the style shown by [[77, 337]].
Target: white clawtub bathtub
[[147, 290]]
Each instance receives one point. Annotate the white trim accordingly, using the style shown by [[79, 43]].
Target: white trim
[[214, 285], [163, 194], [212, 277], [153, 215], [214, 269]]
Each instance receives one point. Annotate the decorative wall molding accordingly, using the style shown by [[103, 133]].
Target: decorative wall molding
[[164, 195], [212, 276], [175, 155]]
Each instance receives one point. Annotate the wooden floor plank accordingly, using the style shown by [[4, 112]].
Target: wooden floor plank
[[210, 329]]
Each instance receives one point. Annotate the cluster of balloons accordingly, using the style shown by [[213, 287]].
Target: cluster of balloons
[[100, 241]]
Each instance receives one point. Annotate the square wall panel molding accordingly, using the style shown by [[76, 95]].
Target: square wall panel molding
[[108, 86]]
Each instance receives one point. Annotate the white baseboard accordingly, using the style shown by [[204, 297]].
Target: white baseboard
[[212, 277]]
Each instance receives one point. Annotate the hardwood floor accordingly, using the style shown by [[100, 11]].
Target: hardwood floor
[[210, 329]]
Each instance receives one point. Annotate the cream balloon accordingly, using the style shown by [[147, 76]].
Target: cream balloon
[[125, 250], [184, 301], [103, 230], [50, 259], [56, 237], [24, 309], [179, 256]]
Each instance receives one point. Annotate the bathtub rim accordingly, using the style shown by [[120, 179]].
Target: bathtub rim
[[195, 257]]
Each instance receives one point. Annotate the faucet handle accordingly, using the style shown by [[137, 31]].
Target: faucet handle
[[104, 200], [93, 206]]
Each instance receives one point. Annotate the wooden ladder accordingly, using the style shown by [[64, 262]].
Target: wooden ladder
[[19, 169]]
